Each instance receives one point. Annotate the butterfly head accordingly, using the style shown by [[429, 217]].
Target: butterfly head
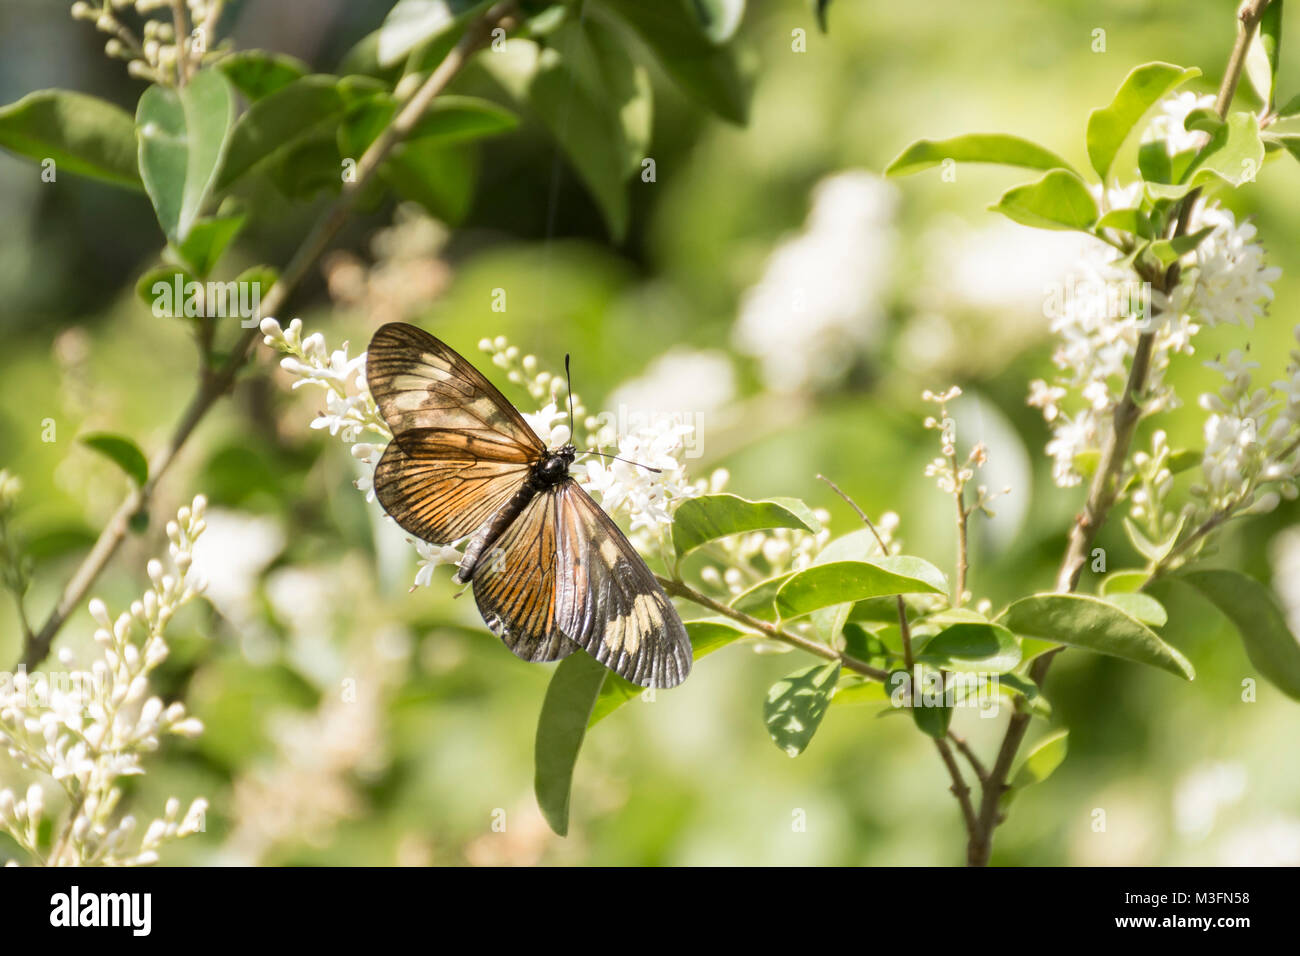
[[554, 466]]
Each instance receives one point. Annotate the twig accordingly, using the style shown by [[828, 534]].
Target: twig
[[686, 592], [212, 387], [959, 788], [971, 757], [1104, 489]]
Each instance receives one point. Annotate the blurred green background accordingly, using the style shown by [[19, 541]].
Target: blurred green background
[[439, 741]]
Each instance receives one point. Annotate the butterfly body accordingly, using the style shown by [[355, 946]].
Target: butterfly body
[[550, 571], [550, 471]]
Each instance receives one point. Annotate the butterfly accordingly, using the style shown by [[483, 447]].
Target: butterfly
[[550, 571]]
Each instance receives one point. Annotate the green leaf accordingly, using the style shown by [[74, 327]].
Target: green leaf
[[797, 703], [1059, 200], [824, 585], [852, 689], [973, 648], [719, 18], [122, 452], [706, 636], [1263, 53], [975, 148], [1132, 221], [759, 600], [1233, 154], [1040, 763], [1169, 251], [84, 135], [439, 178], [282, 121], [1154, 162], [1110, 128], [412, 23], [1290, 142], [257, 73], [561, 729], [1093, 624], [1203, 118], [1153, 551], [1123, 582], [1290, 109], [933, 717], [1254, 611], [183, 140], [151, 294], [708, 517], [710, 73], [207, 241], [1014, 685], [1143, 607]]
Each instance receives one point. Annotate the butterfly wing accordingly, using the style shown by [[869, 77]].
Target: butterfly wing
[[422, 385], [608, 602], [460, 449], [515, 584]]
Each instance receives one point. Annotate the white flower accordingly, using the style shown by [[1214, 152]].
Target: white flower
[[820, 300], [433, 556], [647, 497], [1230, 282], [1169, 123], [86, 729]]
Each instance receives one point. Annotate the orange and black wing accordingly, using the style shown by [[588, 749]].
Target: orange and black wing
[[460, 449], [423, 386], [515, 584], [608, 602]]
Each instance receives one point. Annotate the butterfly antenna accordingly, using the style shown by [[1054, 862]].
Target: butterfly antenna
[[629, 461], [568, 382]]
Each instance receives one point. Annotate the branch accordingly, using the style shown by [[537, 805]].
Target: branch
[[1105, 485], [214, 386], [686, 592]]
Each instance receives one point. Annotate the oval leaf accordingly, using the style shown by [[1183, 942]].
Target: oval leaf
[[824, 585], [974, 648], [1093, 624], [84, 135], [1110, 127], [1254, 611], [975, 148], [122, 452], [183, 138], [796, 704], [1060, 200], [561, 728], [700, 520]]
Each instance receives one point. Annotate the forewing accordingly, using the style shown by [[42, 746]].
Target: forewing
[[421, 384], [514, 584], [609, 603], [442, 499]]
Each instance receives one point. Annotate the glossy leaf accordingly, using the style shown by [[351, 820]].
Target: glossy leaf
[[825, 585], [207, 241], [796, 704], [1111, 127], [183, 141], [1141, 606], [708, 517], [712, 74], [257, 73], [1093, 624], [998, 148], [1060, 200], [561, 729], [411, 23], [122, 452], [974, 648], [1233, 155], [84, 135], [1042, 760], [1254, 611]]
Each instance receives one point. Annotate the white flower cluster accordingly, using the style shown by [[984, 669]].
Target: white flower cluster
[[821, 298], [155, 55], [87, 729], [952, 475], [1251, 438], [1225, 282]]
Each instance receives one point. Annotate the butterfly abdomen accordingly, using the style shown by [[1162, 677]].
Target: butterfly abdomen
[[487, 535]]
